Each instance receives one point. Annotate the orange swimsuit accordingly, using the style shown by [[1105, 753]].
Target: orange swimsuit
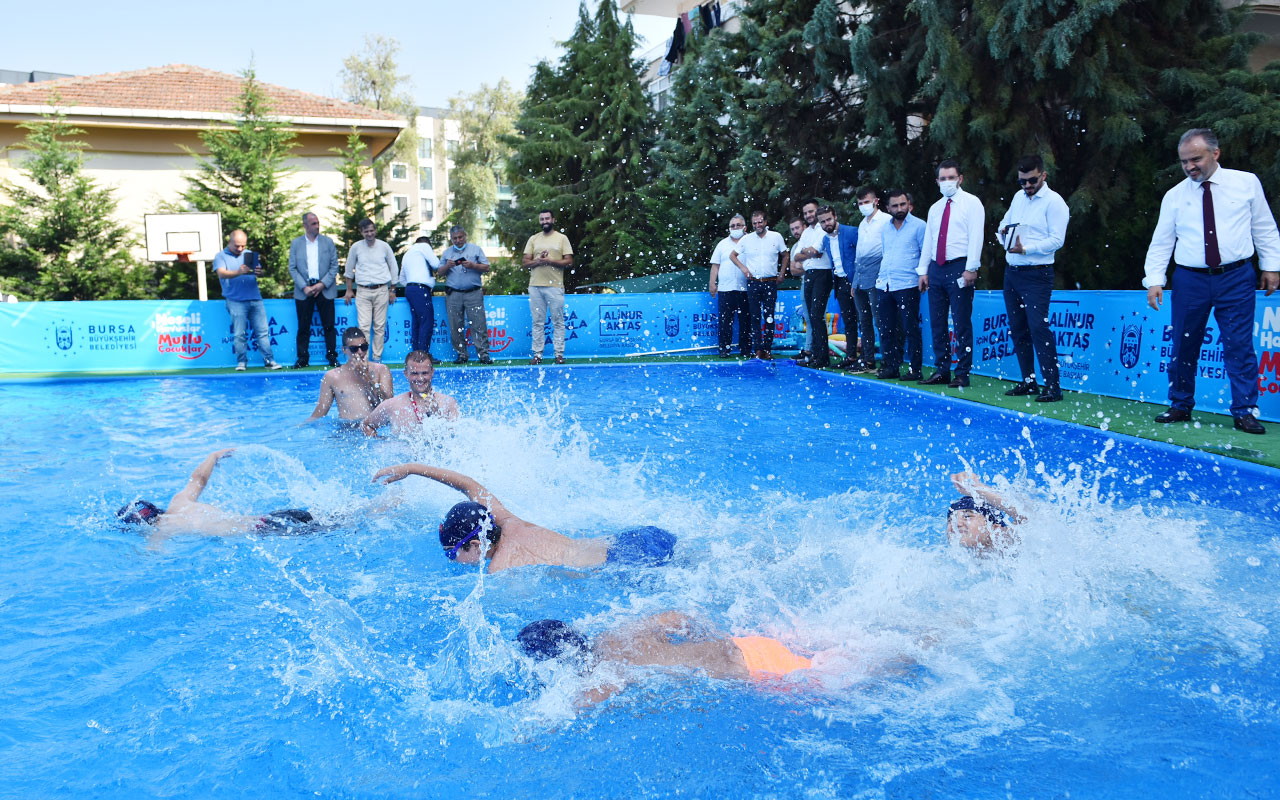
[[767, 657]]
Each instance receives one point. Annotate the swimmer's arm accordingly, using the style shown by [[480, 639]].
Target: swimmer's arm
[[597, 695], [384, 383], [970, 484], [456, 480], [377, 418], [325, 402], [669, 623], [200, 478], [449, 407]]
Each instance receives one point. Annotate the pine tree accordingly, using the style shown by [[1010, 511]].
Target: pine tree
[[243, 179], [356, 202], [584, 132], [67, 242]]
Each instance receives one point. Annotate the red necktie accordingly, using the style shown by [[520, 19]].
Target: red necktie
[[1211, 255], [942, 235]]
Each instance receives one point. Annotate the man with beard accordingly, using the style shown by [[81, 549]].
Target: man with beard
[[546, 255]]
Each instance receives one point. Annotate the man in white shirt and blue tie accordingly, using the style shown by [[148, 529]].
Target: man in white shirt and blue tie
[[948, 266], [1033, 229], [1211, 224]]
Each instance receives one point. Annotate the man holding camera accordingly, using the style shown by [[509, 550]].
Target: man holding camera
[[238, 270], [463, 266], [313, 265]]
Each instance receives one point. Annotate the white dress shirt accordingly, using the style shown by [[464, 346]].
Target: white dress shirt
[[1240, 211], [419, 265], [760, 253], [728, 277], [869, 244], [812, 237], [1042, 226], [313, 257], [964, 231]]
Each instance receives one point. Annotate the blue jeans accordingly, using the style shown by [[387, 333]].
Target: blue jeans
[[244, 313], [1232, 299], [946, 295], [422, 316], [1026, 301]]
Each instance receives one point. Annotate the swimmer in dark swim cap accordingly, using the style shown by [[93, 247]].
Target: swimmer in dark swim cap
[[981, 520], [186, 514], [484, 529], [667, 641]]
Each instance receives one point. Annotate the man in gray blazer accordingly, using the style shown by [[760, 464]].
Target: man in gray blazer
[[313, 264]]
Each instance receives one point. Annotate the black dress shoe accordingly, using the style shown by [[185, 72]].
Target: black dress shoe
[[937, 378], [1049, 395], [959, 382], [333, 362], [819, 364], [887, 374], [848, 363], [460, 360], [1249, 424], [486, 360], [1028, 387], [300, 365], [912, 376], [1174, 415]]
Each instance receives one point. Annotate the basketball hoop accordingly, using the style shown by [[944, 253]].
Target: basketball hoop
[[183, 256]]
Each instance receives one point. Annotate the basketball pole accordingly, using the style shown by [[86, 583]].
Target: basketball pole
[[202, 288]]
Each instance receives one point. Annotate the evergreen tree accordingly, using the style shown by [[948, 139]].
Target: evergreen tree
[[372, 78], [243, 179], [67, 244], [584, 131], [356, 202]]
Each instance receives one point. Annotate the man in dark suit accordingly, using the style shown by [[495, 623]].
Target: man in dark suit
[[313, 265]]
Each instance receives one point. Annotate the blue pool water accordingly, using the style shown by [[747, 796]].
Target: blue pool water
[[1128, 649]]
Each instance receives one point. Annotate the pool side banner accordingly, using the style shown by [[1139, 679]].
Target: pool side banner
[[1109, 342]]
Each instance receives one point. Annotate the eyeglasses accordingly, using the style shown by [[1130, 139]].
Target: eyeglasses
[[1029, 181], [358, 348]]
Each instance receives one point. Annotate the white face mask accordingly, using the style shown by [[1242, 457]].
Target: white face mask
[[736, 233], [867, 209], [948, 188]]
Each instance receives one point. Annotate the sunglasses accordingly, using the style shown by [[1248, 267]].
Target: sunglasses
[[1029, 181], [358, 348]]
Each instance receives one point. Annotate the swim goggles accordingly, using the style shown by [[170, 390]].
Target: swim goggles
[[452, 553]]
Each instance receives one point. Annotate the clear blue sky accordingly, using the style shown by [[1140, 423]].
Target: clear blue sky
[[446, 47]]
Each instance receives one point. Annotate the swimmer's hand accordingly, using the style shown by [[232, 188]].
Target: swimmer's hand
[[397, 473], [966, 483]]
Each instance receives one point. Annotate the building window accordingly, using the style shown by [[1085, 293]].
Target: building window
[[451, 148], [424, 148], [424, 178], [400, 202], [399, 172], [427, 206]]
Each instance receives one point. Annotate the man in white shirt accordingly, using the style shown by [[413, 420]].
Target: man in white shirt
[[763, 256], [949, 265], [371, 272], [729, 289], [1033, 229], [418, 276], [1211, 224], [313, 265], [816, 285], [868, 254]]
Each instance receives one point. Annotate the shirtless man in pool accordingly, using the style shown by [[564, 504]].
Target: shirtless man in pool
[[980, 519], [357, 385], [186, 514], [484, 529], [406, 411]]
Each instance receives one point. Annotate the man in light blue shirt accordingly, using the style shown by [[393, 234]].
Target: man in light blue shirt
[[1032, 230], [462, 265], [897, 289], [238, 269]]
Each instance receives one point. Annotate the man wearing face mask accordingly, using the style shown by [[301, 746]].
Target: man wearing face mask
[[869, 254], [897, 291], [729, 288], [546, 256], [1033, 229], [949, 266], [840, 243], [1211, 224]]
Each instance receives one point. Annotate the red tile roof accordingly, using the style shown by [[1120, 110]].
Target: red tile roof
[[178, 88]]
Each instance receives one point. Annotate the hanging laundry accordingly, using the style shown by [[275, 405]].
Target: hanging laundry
[[677, 44]]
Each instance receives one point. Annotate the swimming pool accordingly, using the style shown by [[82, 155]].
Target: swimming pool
[[1130, 647]]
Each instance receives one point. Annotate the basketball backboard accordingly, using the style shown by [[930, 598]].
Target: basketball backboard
[[197, 233]]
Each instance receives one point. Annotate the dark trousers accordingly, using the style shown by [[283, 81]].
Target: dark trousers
[[1026, 300], [1232, 299], [422, 316], [817, 291], [307, 308], [762, 297], [730, 306], [899, 314], [945, 295], [848, 313], [866, 326]]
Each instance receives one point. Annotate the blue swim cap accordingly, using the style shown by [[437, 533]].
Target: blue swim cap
[[550, 638], [140, 511], [464, 522], [967, 503]]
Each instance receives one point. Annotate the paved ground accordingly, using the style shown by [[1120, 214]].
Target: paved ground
[[1211, 432]]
